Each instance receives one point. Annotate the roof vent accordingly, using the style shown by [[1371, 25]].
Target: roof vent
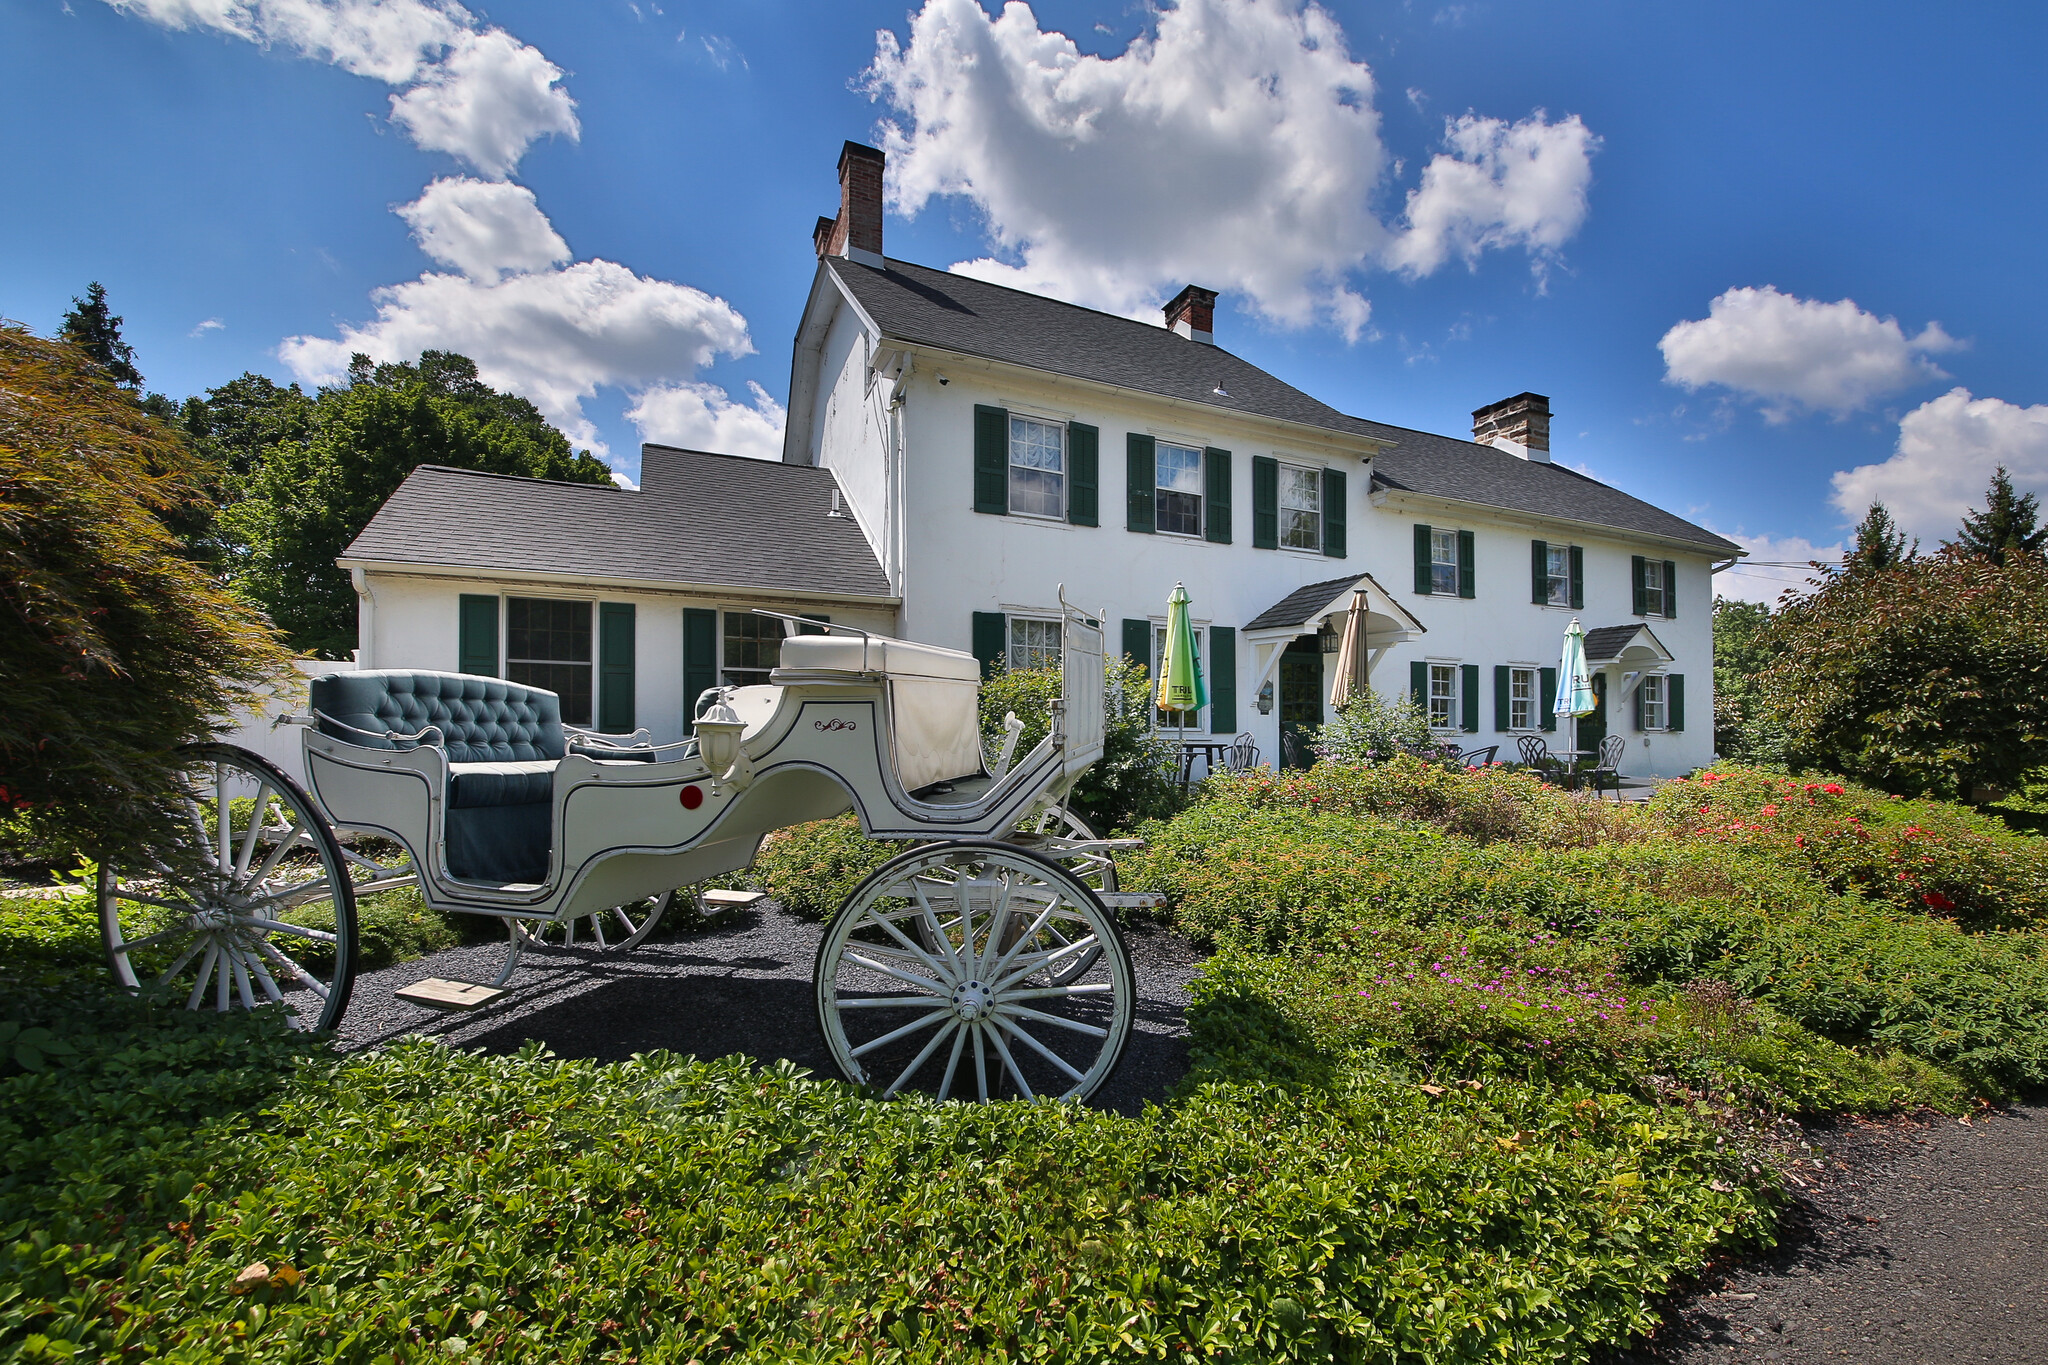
[[835, 510], [1518, 425], [1193, 314]]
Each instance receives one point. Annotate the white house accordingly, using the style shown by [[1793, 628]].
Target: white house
[[956, 451]]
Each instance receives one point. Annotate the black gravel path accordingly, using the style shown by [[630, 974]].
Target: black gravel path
[[1915, 1242], [743, 988]]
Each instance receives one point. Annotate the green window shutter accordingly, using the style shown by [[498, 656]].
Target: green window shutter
[[1138, 643], [1539, 572], [1333, 513], [700, 657], [991, 641], [477, 639], [991, 460], [1418, 683], [1546, 696], [1674, 701], [1670, 589], [1636, 566], [615, 668], [1501, 712], [1578, 578], [1216, 494], [1141, 469], [1223, 680], [1470, 688], [1265, 503], [1084, 474], [1467, 584], [1425, 578]]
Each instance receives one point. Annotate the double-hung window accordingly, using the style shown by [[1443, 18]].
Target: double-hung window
[[1301, 508], [1443, 562], [1522, 684], [1443, 697], [753, 647], [1034, 643], [1558, 574], [1177, 490], [1654, 703], [1655, 603], [1038, 467], [547, 645]]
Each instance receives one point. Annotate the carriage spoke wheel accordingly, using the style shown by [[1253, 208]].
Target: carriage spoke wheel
[[616, 929], [982, 1004], [261, 912], [1066, 838]]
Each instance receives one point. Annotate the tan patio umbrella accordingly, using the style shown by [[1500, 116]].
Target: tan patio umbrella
[[1351, 680]]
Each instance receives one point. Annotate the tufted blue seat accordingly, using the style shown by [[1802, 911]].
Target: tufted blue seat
[[502, 740]]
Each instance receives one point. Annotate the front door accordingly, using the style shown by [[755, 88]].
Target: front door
[[1593, 725], [1301, 701]]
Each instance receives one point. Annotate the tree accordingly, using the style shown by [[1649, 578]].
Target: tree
[[92, 328], [1931, 677], [2008, 526], [1745, 730], [114, 648], [305, 500], [1880, 544]]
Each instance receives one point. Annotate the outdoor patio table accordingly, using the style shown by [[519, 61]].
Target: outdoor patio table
[[1212, 754]]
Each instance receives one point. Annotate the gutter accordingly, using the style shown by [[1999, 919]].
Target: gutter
[[357, 568]]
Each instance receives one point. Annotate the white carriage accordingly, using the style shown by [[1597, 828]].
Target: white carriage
[[985, 960]]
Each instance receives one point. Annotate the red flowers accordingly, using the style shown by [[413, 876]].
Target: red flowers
[[1936, 901]]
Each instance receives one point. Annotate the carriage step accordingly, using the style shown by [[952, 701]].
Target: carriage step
[[731, 900], [1132, 900], [437, 993]]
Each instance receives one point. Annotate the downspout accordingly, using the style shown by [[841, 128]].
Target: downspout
[[366, 620], [899, 457]]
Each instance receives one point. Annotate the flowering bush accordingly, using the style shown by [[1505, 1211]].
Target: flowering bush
[[1371, 728]]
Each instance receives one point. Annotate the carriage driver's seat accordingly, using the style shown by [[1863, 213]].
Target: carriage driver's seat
[[502, 741]]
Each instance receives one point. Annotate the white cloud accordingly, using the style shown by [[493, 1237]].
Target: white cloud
[[1775, 564], [704, 417], [477, 93], [1235, 145], [554, 336], [1948, 449], [209, 325], [1796, 354], [484, 228]]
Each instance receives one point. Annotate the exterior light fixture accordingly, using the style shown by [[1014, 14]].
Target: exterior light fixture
[[1328, 638], [1266, 698], [718, 741]]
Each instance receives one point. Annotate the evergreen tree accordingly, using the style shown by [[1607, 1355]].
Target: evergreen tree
[[92, 328], [2008, 527], [1880, 544]]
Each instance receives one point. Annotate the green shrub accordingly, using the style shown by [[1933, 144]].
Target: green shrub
[[1135, 779], [811, 869], [1376, 728]]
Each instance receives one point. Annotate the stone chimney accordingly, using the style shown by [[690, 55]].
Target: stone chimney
[[1193, 314], [1518, 425], [857, 232]]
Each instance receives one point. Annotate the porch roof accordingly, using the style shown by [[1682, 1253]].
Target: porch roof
[[1609, 643], [1303, 609]]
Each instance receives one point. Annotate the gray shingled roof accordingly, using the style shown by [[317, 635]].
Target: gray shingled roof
[[696, 518], [918, 304], [1304, 604], [1607, 642]]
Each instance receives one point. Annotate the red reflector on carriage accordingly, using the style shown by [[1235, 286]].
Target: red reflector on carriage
[[693, 797]]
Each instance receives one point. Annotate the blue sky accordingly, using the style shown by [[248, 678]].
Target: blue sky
[[1651, 215]]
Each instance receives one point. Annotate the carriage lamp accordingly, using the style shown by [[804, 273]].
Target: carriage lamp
[[718, 736], [1266, 698], [1328, 638]]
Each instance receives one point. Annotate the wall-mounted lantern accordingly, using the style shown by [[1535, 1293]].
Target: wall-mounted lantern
[[1266, 698]]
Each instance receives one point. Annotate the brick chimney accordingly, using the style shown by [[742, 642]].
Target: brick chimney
[[1518, 425], [1193, 314], [857, 232]]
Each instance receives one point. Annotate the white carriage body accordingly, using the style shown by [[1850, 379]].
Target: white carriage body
[[889, 729]]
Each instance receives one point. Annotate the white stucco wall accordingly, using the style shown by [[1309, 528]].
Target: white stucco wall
[[959, 562], [415, 623]]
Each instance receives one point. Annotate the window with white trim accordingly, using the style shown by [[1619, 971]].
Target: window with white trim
[[1443, 561], [1558, 571], [1654, 588], [547, 645], [1038, 467], [1301, 508], [1522, 683], [1443, 696], [1655, 702], [1177, 490], [1034, 643], [1172, 719]]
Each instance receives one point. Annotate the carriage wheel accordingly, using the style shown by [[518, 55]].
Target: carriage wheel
[[1066, 838], [618, 929], [982, 1002], [269, 915]]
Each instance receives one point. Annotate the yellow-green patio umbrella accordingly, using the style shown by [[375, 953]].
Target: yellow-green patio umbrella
[[1180, 670]]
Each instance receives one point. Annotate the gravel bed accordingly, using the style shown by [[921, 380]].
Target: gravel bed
[[744, 987], [1917, 1242]]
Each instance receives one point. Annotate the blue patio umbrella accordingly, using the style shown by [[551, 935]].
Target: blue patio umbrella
[[1575, 695]]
